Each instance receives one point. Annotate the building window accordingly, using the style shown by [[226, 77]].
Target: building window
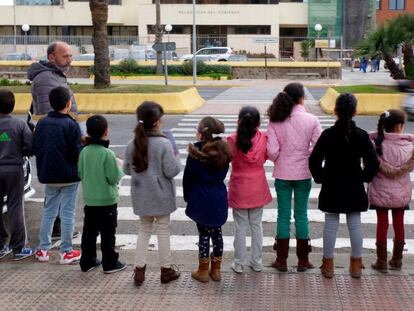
[[378, 4], [396, 5]]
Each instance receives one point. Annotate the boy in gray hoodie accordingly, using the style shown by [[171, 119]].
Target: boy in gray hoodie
[[15, 143]]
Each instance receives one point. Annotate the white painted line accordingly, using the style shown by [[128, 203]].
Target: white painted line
[[189, 242]]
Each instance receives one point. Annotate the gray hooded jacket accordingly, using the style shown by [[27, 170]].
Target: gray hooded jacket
[[45, 77]]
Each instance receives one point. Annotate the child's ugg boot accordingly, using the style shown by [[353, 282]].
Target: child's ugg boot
[[356, 267], [201, 274], [139, 275], [397, 255], [381, 263], [169, 274], [215, 272], [327, 268], [303, 248], [282, 252]]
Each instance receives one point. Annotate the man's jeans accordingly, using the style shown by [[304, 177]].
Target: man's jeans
[[65, 198]]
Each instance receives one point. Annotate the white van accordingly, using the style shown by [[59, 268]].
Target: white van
[[219, 53]]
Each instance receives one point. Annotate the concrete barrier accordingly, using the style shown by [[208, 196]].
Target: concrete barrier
[[368, 104], [173, 103]]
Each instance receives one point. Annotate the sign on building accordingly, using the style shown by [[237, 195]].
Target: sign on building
[[266, 40]]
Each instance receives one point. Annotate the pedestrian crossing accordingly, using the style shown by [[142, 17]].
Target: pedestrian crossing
[[184, 234]]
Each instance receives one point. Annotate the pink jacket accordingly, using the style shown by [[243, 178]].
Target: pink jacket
[[391, 187], [248, 187], [290, 144]]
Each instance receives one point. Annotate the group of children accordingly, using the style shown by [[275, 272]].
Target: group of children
[[294, 141]]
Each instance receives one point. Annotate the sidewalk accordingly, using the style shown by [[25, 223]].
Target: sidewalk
[[29, 285]]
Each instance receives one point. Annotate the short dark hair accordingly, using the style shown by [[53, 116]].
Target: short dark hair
[[51, 48], [96, 126], [59, 97], [6, 101]]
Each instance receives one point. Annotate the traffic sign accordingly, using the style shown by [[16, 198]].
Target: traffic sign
[[164, 46], [266, 40]]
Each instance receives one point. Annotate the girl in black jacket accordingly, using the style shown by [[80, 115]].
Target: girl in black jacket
[[336, 163]]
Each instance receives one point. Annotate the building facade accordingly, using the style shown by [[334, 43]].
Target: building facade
[[387, 9]]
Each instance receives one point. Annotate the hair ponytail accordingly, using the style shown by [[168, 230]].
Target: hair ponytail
[[387, 122], [380, 134], [282, 105], [148, 113], [249, 120], [345, 109]]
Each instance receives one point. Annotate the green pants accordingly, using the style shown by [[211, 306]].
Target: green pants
[[284, 190]]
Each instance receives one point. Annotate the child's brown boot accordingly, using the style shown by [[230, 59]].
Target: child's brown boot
[[201, 274], [397, 255], [381, 263], [327, 268], [356, 267], [215, 268]]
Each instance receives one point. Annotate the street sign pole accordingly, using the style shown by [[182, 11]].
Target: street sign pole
[[265, 55], [165, 66]]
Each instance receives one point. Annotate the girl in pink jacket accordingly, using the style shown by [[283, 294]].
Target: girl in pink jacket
[[248, 187], [391, 187], [292, 132]]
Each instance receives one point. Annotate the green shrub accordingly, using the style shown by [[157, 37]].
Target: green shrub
[[7, 82], [128, 66], [188, 68]]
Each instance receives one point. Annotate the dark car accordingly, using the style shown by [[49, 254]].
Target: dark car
[[16, 56]]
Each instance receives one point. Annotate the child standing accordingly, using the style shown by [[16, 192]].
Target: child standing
[[292, 133], [56, 145], [335, 162], [152, 165], [391, 187], [206, 194], [15, 143], [248, 187], [100, 175]]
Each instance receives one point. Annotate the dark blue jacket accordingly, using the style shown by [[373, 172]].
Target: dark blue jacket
[[56, 145], [205, 192]]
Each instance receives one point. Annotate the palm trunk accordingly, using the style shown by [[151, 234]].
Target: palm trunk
[[99, 11], [408, 60], [158, 35], [395, 72]]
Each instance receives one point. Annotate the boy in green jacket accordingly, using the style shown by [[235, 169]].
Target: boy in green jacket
[[100, 175]]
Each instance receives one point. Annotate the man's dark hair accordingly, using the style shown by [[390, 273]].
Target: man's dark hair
[[6, 101], [59, 97], [96, 126], [51, 48]]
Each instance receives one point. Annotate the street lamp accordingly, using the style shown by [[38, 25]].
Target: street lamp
[[318, 29], [194, 44], [168, 29], [25, 28]]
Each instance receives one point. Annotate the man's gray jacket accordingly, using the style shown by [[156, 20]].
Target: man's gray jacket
[[45, 77]]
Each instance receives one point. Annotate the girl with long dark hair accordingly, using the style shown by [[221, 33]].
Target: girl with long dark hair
[[292, 132], [342, 161], [248, 187], [150, 160]]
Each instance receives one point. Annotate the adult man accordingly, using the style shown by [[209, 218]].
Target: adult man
[[46, 75]]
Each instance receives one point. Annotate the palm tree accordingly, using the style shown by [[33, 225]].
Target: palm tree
[[158, 31], [99, 11], [406, 22]]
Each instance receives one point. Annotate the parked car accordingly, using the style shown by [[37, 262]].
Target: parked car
[[28, 190], [237, 58], [16, 56], [219, 53], [84, 57], [152, 55]]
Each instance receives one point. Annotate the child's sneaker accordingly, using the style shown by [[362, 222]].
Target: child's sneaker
[[24, 253], [42, 255], [92, 267], [5, 251], [236, 267], [69, 257], [118, 267]]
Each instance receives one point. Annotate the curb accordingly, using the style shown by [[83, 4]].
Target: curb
[[368, 104], [173, 103]]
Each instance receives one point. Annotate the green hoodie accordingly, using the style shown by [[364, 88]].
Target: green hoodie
[[100, 175]]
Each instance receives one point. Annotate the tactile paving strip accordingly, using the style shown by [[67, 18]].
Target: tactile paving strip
[[74, 290]]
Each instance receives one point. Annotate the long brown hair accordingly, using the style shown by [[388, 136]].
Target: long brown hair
[[387, 122], [282, 105], [215, 150], [148, 113]]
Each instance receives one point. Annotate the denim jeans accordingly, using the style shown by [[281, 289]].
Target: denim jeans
[[65, 198], [301, 190]]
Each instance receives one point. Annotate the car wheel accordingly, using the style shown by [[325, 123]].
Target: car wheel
[[222, 60]]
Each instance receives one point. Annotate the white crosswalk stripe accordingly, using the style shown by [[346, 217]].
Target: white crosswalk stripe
[[184, 133]]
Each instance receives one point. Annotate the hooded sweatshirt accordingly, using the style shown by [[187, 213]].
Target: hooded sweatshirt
[[248, 187], [45, 76]]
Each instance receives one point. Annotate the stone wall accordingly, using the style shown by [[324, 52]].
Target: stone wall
[[282, 72], [74, 72]]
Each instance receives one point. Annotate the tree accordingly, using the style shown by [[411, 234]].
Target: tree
[[406, 22], [158, 31], [99, 11]]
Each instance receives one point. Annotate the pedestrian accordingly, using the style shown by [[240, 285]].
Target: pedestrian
[[374, 63], [352, 63], [391, 188], [206, 194], [248, 187], [56, 145], [100, 175], [364, 64], [335, 163], [45, 76], [292, 132], [15, 143], [152, 165]]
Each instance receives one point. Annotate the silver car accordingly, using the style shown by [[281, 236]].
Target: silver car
[[219, 53]]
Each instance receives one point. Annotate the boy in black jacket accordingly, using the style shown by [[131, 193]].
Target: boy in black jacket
[[57, 144], [15, 143]]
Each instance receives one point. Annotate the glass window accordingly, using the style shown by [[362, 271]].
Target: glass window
[[378, 4], [396, 5]]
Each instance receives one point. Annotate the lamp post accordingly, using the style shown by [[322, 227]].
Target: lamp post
[[25, 28], [14, 27], [194, 44], [168, 29], [318, 29]]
